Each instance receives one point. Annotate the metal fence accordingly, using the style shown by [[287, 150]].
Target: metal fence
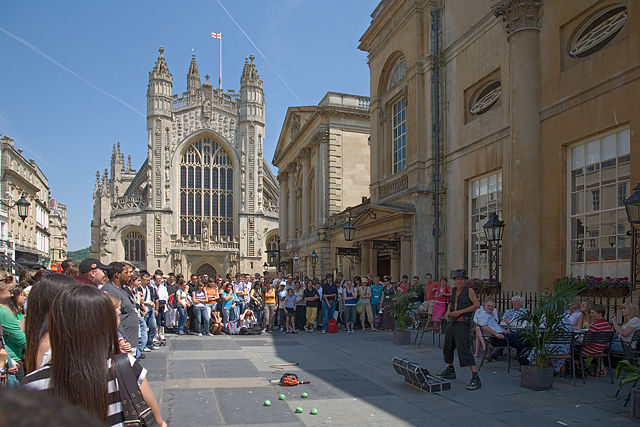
[[532, 299]]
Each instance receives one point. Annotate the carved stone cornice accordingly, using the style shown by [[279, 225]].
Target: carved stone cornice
[[282, 176], [321, 135], [305, 153], [518, 15], [292, 168]]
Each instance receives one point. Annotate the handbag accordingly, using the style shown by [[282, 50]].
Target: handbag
[[135, 409]]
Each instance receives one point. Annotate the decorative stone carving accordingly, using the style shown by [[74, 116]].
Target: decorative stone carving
[[397, 73], [597, 32], [295, 125], [517, 15], [486, 97], [321, 135]]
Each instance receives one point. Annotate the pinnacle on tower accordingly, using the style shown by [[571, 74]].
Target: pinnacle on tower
[[160, 67], [206, 83], [249, 73], [193, 77]]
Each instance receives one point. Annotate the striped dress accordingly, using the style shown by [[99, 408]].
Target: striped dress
[[41, 380]]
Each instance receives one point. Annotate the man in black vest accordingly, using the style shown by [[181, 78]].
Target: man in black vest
[[462, 304]]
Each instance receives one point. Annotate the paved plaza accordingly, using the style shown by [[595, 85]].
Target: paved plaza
[[224, 380]]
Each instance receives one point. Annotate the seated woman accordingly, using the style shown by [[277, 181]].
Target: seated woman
[[91, 350], [631, 320], [584, 319]]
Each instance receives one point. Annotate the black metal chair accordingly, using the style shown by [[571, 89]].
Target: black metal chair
[[491, 344], [423, 322], [565, 338], [630, 352], [596, 338]]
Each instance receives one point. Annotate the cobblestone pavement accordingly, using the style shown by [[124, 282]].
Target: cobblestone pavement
[[224, 380]]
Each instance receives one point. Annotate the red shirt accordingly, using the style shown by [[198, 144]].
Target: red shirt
[[403, 287], [599, 325], [430, 291]]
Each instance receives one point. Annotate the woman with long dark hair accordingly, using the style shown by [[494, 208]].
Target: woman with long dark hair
[[84, 341], [42, 293]]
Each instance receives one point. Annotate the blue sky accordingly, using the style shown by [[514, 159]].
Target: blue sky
[[69, 127]]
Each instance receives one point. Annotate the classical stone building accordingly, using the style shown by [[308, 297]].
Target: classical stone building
[[26, 242], [530, 106], [58, 230], [323, 167], [203, 200]]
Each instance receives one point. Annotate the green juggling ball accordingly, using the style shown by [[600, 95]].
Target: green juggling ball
[[267, 403], [282, 397], [314, 411], [298, 410], [304, 395]]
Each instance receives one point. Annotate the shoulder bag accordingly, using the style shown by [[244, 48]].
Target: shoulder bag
[[135, 409]]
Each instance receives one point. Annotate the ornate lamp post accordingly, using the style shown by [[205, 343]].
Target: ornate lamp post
[[22, 205], [314, 262], [296, 264], [632, 206], [349, 230], [493, 232], [278, 242]]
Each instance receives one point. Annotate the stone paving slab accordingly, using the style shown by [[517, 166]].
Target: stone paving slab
[[225, 368], [211, 383], [193, 407], [245, 406], [207, 354]]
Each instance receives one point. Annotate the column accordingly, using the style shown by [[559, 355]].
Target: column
[[283, 208], [405, 255], [321, 141], [395, 267], [306, 200], [365, 251], [291, 232], [521, 255]]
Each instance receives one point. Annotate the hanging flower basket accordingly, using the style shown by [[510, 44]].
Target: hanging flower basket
[[484, 286], [610, 287]]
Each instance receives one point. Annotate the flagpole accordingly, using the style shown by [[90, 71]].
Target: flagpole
[[220, 79]]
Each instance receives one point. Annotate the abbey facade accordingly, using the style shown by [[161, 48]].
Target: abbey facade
[[204, 201]]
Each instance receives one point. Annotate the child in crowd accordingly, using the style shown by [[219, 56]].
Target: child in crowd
[[290, 307]]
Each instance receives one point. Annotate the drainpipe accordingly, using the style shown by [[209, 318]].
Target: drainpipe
[[435, 85]]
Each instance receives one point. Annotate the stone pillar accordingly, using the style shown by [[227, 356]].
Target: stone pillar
[[284, 209], [321, 140], [291, 232], [306, 199], [395, 267], [521, 255], [365, 250], [405, 255]]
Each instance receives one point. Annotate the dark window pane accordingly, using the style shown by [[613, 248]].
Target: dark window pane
[[183, 176], [207, 179], [214, 230], [190, 226], [198, 204], [190, 177], [223, 206], [183, 227], [229, 205], [230, 228], [143, 253], [229, 179], [198, 227], [214, 178], [207, 204], [214, 208], [183, 203], [222, 179], [198, 177], [190, 204]]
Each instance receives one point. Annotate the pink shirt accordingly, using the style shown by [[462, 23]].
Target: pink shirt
[[404, 287]]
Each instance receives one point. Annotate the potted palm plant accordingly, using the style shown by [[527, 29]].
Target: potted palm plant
[[544, 325], [401, 316], [630, 374]]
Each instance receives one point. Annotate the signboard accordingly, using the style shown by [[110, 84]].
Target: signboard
[[348, 251], [386, 244]]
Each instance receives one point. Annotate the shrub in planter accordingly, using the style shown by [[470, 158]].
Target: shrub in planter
[[630, 374]]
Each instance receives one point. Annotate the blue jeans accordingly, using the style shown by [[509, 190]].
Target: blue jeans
[[150, 320], [327, 312], [225, 312], [182, 319], [375, 308], [202, 319], [142, 336]]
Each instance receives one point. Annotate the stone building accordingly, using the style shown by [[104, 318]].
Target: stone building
[[537, 120], [58, 230], [323, 167], [28, 239], [203, 200]]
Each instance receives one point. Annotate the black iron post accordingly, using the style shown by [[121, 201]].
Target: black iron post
[[278, 263]]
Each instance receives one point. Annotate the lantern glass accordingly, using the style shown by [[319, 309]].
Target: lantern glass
[[632, 206], [349, 232], [314, 257], [493, 228]]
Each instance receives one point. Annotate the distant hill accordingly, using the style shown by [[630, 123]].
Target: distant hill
[[78, 255]]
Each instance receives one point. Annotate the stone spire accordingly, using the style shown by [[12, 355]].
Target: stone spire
[[193, 77], [249, 73], [96, 187], [160, 69], [159, 100]]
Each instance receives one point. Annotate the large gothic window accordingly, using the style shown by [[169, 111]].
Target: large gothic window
[[134, 247], [206, 191]]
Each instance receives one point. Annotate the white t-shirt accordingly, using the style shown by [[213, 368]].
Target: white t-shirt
[[634, 322], [476, 319]]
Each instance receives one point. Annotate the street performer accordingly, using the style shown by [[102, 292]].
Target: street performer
[[462, 304]]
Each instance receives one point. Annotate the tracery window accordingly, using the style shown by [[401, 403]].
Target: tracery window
[[134, 247], [206, 191], [599, 31]]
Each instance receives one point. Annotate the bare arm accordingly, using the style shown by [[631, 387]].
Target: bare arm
[[487, 330], [151, 401]]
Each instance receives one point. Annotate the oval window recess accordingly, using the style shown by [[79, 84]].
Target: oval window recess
[[487, 97], [599, 31]]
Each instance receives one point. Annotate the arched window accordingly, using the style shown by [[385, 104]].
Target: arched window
[[206, 191], [134, 247]]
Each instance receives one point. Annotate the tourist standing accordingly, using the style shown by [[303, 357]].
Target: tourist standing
[[349, 299], [329, 297], [376, 299], [199, 298], [388, 298], [118, 286], [311, 298], [365, 299], [300, 305], [183, 305]]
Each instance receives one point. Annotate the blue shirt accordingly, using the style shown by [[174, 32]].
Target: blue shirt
[[226, 304], [487, 319], [376, 293]]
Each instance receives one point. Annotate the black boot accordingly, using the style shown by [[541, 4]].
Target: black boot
[[474, 382], [449, 373]]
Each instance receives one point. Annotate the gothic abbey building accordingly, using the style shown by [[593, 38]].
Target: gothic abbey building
[[204, 201]]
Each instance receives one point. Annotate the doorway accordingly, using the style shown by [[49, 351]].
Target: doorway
[[206, 269]]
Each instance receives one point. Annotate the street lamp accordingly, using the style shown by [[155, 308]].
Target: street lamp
[[278, 242], [296, 261], [493, 232], [314, 262], [22, 205], [349, 230], [632, 206]]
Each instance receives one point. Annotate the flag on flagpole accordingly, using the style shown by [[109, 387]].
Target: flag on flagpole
[[216, 35]]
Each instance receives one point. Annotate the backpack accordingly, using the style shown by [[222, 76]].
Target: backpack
[[172, 302], [332, 326], [254, 330]]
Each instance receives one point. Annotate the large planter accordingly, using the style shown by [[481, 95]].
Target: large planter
[[536, 379], [635, 403], [401, 337], [606, 292]]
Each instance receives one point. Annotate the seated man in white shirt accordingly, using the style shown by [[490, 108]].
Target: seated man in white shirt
[[501, 336]]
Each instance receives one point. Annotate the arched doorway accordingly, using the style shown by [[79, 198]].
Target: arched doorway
[[206, 269]]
